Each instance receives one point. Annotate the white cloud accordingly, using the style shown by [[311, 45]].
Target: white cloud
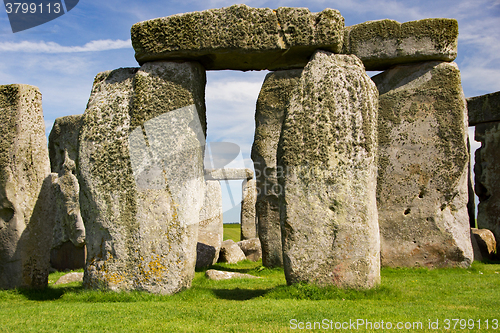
[[52, 47]]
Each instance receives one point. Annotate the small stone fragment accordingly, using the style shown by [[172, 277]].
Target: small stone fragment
[[70, 277], [230, 252], [215, 275], [251, 248]]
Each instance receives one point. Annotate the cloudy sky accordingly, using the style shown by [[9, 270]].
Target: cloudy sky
[[62, 56]]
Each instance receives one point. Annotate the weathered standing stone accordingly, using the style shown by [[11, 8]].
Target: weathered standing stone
[[25, 189], [63, 153], [248, 216], [484, 108], [240, 37], [270, 112], [327, 150], [210, 230], [385, 43], [141, 176], [487, 175], [230, 252], [423, 167]]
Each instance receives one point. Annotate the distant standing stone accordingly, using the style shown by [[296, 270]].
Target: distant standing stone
[[269, 115], [248, 215], [328, 149], [211, 229], [422, 191], [251, 248]]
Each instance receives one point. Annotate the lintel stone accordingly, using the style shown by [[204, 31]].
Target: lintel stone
[[240, 37], [228, 174], [384, 43], [484, 109]]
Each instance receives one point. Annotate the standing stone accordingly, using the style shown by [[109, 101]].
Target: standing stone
[[327, 150], [25, 189], [141, 176], [68, 243], [240, 37], [487, 175], [211, 229], [248, 216], [270, 112], [423, 167]]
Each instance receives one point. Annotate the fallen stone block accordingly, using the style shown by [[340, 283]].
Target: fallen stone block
[[69, 278], [239, 37], [230, 252], [213, 274], [251, 248], [422, 191], [384, 43], [486, 242]]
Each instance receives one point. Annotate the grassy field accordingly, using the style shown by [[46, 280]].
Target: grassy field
[[406, 296], [232, 231]]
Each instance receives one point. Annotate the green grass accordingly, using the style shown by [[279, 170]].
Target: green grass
[[260, 305], [232, 231]]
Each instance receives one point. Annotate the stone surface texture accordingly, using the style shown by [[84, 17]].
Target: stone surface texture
[[247, 214], [210, 230], [230, 252], [216, 275], [228, 174], [26, 189], [141, 176], [328, 150], [269, 115], [240, 37], [483, 109], [486, 242], [63, 153], [385, 43], [251, 248], [487, 176], [423, 167], [69, 278]]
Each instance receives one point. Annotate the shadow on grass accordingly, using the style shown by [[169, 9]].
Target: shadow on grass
[[47, 294], [239, 294]]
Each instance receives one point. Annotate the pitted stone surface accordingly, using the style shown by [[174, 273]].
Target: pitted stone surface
[[423, 167], [327, 150], [385, 43], [248, 216], [240, 37], [63, 152], [26, 189], [141, 176], [487, 176], [211, 229], [228, 174], [483, 109], [270, 112]]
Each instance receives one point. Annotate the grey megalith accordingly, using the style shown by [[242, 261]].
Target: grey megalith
[[422, 191], [328, 150], [141, 176], [26, 189], [269, 115]]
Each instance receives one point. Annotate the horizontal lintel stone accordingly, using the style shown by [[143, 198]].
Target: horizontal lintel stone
[[228, 174], [484, 108], [240, 37]]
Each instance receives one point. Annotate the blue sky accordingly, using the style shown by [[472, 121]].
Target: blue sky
[[62, 56]]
